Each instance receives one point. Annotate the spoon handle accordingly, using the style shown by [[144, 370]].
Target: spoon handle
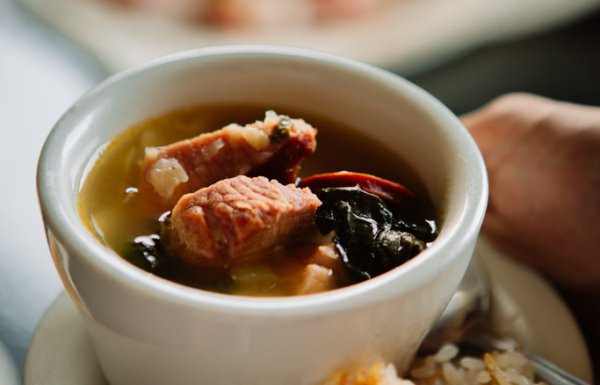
[[552, 374]]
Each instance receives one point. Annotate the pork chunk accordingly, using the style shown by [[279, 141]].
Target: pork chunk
[[239, 219], [272, 148]]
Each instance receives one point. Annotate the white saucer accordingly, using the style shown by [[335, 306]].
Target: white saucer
[[525, 305], [409, 36]]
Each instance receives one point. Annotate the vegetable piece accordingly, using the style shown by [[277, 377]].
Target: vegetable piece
[[398, 199], [282, 130], [368, 237], [146, 250]]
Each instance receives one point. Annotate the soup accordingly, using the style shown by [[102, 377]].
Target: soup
[[127, 216]]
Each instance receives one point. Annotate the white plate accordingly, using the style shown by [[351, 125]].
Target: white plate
[[409, 36], [525, 305]]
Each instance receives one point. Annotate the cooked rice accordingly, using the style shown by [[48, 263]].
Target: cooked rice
[[445, 354], [447, 367], [378, 374]]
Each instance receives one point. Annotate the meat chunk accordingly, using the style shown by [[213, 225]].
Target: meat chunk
[[272, 148], [239, 219]]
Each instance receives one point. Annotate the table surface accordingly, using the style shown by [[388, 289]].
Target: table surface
[[42, 74]]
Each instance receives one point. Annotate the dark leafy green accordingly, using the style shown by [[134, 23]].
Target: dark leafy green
[[146, 251], [282, 130], [369, 237]]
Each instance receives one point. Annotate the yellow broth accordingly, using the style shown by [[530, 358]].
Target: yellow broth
[[116, 212]]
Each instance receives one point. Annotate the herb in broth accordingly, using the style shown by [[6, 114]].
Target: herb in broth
[[282, 130], [147, 252], [368, 236]]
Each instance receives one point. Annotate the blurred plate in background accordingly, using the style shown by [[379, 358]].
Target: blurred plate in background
[[410, 36]]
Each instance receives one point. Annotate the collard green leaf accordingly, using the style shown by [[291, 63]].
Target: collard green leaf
[[369, 239]]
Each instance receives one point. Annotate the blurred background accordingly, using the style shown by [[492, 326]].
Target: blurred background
[[463, 52]]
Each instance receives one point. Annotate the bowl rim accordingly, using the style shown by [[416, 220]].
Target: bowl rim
[[61, 216]]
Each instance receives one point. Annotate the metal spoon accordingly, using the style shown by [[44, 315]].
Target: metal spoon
[[466, 323]]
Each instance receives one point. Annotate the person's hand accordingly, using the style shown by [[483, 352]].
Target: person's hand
[[543, 161]]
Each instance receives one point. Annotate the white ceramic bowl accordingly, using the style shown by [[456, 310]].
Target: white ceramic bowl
[[149, 331]]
